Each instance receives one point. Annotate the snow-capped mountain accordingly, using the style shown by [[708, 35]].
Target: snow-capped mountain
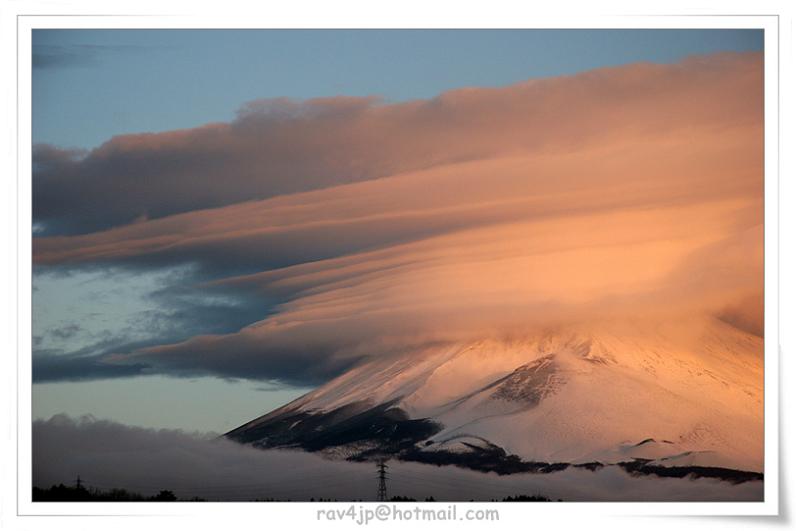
[[680, 394]]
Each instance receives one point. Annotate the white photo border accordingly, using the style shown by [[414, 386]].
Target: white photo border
[[293, 513]]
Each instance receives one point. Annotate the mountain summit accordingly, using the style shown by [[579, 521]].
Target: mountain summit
[[677, 396]]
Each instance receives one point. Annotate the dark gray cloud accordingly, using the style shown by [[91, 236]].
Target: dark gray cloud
[[66, 332], [181, 311], [308, 361], [111, 455], [61, 367]]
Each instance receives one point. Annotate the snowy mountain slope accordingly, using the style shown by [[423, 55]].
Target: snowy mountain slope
[[686, 393]]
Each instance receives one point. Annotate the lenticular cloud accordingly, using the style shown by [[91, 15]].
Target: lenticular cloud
[[367, 228]]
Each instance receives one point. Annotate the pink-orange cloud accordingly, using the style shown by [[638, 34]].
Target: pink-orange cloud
[[279, 147], [632, 191]]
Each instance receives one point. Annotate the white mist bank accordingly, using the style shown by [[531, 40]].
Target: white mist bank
[[110, 455]]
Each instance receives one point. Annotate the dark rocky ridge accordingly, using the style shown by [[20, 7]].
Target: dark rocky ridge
[[385, 426], [367, 432]]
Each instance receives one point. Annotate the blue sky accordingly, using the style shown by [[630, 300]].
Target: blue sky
[[89, 85]]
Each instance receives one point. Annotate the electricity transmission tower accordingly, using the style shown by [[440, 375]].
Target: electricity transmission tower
[[382, 467]]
